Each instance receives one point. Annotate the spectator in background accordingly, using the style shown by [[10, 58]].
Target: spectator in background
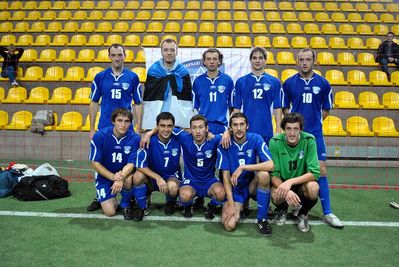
[[11, 57], [388, 52]]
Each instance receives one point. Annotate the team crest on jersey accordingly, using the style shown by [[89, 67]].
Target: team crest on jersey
[[174, 152], [249, 153], [125, 86], [301, 154], [208, 153], [127, 149], [221, 88], [316, 89], [266, 86]]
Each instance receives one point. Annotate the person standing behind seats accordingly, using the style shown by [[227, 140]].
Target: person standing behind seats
[[11, 56], [387, 52], [116, 87]]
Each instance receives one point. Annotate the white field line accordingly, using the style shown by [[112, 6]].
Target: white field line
[[175, 218]]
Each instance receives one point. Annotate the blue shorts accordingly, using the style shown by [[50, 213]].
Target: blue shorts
[[201, 188], [155, 187], [240, 194], [216, 128], [103, 189], [321, 146]]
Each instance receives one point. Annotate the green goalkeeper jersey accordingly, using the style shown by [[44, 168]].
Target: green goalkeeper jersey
[[291, 162]]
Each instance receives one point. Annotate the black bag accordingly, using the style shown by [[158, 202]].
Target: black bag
[[41, 187]]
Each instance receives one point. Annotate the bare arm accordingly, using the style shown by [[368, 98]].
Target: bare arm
[[286, 111], [325, 113], [160, 181], [262, 166], [138, 113], [278, 116], [93, 109], [98, 167]]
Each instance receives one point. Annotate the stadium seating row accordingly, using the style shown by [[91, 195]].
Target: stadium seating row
[[194, 27], [367, 100], [224, 15], [360, 6], [332, 126], [150, 40]]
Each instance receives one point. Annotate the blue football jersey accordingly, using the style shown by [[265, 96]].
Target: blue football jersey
[[309, 98], [164, 159], [258, 96], [114, 92], [199, 160], [111, 152], [212, 97], [236, 155]]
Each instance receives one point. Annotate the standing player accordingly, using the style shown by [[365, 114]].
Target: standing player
[[310, 95], [212, 92], [296, 170], [239, 163], [257, 93], [116, 87], [159, 166], [112, 153]]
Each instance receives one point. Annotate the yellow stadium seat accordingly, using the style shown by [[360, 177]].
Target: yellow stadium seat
[[322, 17], [74, 74], [47, 55], [61, 95], [356, 43], [345, 99], [272, 72], [346, 28], [337, 43], [347, 7], [262, 41], [256, 16], [208, 27], [315, 6], [270, 58], [285, 74], [299, 42], [21, 120], [70, 121], [2, 94], [159, 15], [25, 40], [127, 15], [366, 59], [294, 28], [239, 5], [289, 16], [273, 16], [177, 5], [34, 73], [380, 29], [329, 28], [240, 16], [241, 27], [395, 28], [18, 15], [338, 17], [53, 74], [318, 42], [5, 15], [102, 56], [87, 26], [377, 7], [346, 59], [66, 55], [269, 5], [223, 5], [311, 28], [90, 5], [224, 41], [8, 26], [74, 5], [362, 7], [29, 55], [358, 126], [175, 15], [96, 40], [29, 5], [103, 4], [43, 5], [208, 15], [208, 5], [259, 27], [305, 17], [187, 41], [388, 18], [195, 5], [191, 15], [372, 43], [78, 40], [384, 126], [280, 42], [141, 72], [129, 57], [243, 41], [357, 77], [276, 28], [86, 55], [132, 40], [118, 5], [172, 27], [3, 119], [161, 5], [355, 17], [206, 41], [121, 26], [38, 95], [48, 15], [113, 39], [16, 95], [86, 126], [331, 6], [190, 26], [285, 6], [379, 78], [150, 40], [60, 40], [285, 58], [79, 15], [92, 72], [143, 15], [364, 29], [132, 5], [8, 39], [223, 15], [390, 100], [82, 96], [104, 26], [335, 77], [137, 27], [369, 100], [395, 78], [21, 26], [64, 15], [70, 26], [332, 126]]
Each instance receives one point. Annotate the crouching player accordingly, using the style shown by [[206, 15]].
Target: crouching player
[[243, 176], [296, 170], [112, 154], [158, 166]]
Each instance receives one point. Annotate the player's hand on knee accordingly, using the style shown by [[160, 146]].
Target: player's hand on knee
[[163, 187], [117, 187], [292, 199], [119, 176], [235, 175], [228, 213]]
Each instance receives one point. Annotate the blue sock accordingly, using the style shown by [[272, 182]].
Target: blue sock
[[263, 202], [140, 192], [214, 202], [170, 198], [127, 195], [324, 195], [185, 204]]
